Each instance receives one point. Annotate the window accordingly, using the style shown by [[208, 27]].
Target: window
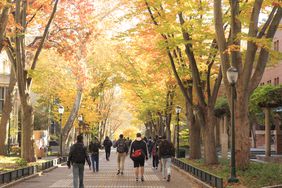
[[262, 83], [276, 45], [269, 82], [2, 97]]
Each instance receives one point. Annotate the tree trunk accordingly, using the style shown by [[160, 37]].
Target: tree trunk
[[69, 124], [151, 129], [194, 134], [224, 137], [242, 148], [4, 20], [207, 128], [267, 132], [7, 109], [27, 143], [168, 130]]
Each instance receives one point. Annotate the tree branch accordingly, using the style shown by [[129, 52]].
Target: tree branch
[[221, 41], [4, 20], [251, 46], [192, 62], [44, 35], [264, 54]]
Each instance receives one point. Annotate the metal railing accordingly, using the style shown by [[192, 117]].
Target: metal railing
[[202, 175], [13, 175], [10, 176]]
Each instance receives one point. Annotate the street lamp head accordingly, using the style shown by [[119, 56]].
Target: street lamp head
[[61, 109], [178, 109], [232, 75], [80, 118]]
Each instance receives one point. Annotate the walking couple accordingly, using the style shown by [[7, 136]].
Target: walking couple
[[138, 153]]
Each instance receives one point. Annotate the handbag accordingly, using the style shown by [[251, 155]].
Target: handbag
[[137, 154]]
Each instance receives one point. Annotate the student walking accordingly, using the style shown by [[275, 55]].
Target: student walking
[[155, 153], [77, 157], [94, 151], [138, 153], [122, 151], [107, 145], [166, 152], [150, 146]]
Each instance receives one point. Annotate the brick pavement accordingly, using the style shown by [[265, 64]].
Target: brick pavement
[[107, 178]]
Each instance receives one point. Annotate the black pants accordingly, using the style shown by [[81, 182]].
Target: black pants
[[108, 153], [155, 161]]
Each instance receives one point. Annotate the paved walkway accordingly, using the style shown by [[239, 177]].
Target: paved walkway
[[107, 178]]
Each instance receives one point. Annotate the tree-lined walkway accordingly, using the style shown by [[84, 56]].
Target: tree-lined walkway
[[107, 178]]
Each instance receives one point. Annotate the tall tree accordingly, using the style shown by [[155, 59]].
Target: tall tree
[[19, 55], [200, 50], [250, 62]]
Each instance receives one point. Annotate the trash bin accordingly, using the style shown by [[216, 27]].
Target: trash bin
[[181, 153]]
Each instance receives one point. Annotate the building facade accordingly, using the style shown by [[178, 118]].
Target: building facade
[[12, 126], [273, 74]]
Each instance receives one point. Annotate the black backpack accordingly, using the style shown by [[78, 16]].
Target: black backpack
[[166, 150], [121, 146]]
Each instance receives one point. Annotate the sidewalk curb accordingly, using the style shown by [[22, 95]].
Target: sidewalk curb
[[196, 180], [28, 177]]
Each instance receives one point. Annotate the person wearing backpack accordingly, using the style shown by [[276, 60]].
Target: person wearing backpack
[[138, 153], [77, 157], [155, 153], [166, 152], [107, 145], [94, 150], [150, 146], [122, 151]]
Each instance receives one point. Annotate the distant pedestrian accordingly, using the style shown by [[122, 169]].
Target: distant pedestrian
[[107, 145], [94, 151], [138, 153], [128, 142], [155, 152], [77, 156], [166, 152], [122, 151], [150, 146]]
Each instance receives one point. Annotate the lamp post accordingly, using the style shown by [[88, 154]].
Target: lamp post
[[80, 120], [232, 76], [177, 110], [61, 111]]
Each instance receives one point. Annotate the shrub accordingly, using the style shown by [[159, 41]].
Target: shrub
[[16, 150], [21, 162]]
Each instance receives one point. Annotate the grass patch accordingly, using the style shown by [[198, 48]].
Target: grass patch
[[12, 163], [257, 174]]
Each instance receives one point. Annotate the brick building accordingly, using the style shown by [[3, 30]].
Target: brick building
[[273, 74]]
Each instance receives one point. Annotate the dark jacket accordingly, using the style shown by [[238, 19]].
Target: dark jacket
[[166, 149], [136, 144], [107, 144], [94, 148], [78, 154], [122, 142]]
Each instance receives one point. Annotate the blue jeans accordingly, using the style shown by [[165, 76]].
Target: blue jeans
[[166, 163], [78, 170], [95, 160]]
